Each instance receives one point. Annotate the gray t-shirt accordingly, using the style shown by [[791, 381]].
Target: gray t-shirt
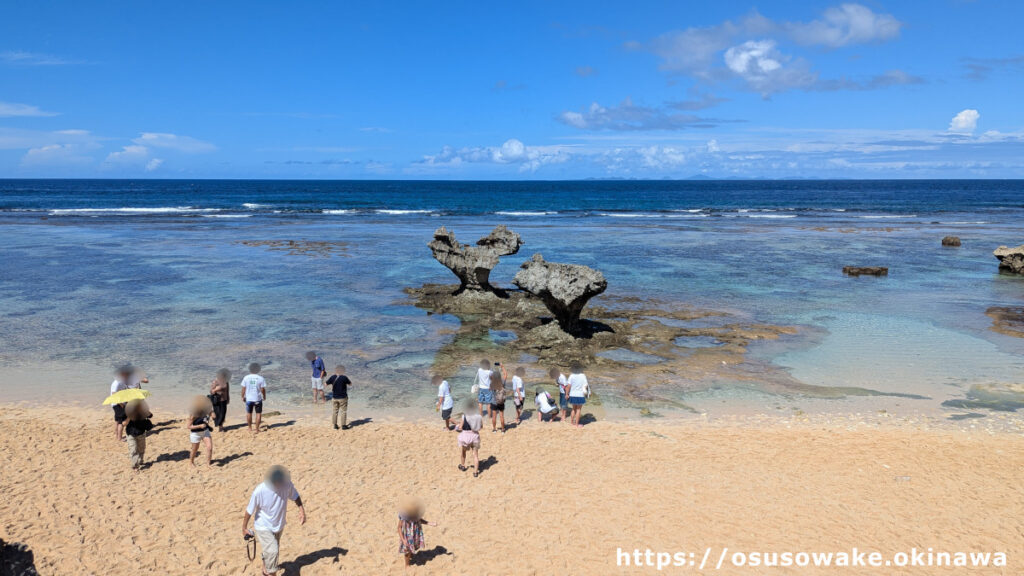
[[475, 421]]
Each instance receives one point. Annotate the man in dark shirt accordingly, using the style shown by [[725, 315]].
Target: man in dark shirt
[[339, 384]]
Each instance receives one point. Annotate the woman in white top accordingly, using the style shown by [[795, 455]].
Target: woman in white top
[[518, 392], [545, 406], [579, 389]]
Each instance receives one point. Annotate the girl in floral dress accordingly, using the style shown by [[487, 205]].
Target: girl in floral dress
[[410, 529]]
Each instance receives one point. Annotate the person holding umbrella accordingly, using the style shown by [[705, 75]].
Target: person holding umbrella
[[127, 378], [269, 505]]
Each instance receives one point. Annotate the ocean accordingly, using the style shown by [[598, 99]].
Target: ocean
[[182, 277]]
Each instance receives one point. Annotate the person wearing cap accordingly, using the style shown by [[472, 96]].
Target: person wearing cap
[[319, 371], [254, 392], [269, 506], [126, 377]]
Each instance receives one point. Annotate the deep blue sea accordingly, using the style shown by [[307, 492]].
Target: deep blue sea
[[176, 275]]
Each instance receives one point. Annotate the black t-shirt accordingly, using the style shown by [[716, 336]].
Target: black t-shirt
[[138, 427], [339, 385]]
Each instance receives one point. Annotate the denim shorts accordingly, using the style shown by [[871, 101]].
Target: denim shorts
[[577, 400], [256, 407], [485, 397]]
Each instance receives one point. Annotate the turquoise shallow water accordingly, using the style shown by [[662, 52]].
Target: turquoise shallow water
[[167, 274]]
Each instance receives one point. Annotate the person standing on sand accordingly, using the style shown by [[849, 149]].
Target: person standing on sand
[[220, 395], [269, 504], [483, 382], [445, 402], [199, 429], [518, 392], [578, 389], [498, 394], [339, 384], [563, 392], [254, 392], [319, 371], [139, 424], [469, 437], [127, 376], [410, 529]]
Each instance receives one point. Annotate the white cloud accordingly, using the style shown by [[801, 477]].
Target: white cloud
[[753, 58], [175, 142], [130, 155], [712, 146], [13, 110], [153, 164], [631, 117], [964, 122], [845, 25], [23, 58], [56, 155], [512, 151]]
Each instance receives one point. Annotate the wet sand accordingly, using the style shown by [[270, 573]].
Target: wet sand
[[550, 500]]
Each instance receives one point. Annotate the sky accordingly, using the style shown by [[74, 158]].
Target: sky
[[525, 90]]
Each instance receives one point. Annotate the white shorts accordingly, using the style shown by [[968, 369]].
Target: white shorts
[[197, 437], [318, 383]]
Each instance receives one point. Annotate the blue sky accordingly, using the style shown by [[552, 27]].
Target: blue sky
[[531, 90]]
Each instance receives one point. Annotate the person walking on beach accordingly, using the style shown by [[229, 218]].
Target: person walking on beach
[[254, 392], [445, 402], [410, 529], [199, 429], [220, 395], [139, 424], [545, 406], [469, 437], [518, 392], [563, 392], [498, 395], [127, 376], [483, 383], [578, 389], [319, 371], [269, 505], [339, 384]]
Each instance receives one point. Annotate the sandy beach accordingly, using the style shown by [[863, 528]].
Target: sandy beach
[[550, 500]]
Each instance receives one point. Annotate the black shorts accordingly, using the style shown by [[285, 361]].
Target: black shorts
[[119, 414], [446, 414], [518, 403], [498, 407], [256, 407]]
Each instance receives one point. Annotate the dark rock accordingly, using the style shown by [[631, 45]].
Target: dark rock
[[1010, 259], [1007, 320], [865, 271], [564, 288], [473, 264], [951, 241]]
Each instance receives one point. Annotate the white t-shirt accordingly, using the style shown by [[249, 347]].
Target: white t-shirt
[[578, 385], [252, 384], [562, 383], [445, 391], [269, 506], [118, 385], [517, 385], [543, 404], [483, 378]]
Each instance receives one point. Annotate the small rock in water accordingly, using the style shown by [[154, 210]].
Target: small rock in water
[[951, 241], [866, 270], [1010, 259]]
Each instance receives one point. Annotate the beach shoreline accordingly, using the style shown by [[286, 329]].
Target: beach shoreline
[[758, 485]]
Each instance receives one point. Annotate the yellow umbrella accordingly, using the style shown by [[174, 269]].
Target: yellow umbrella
[[125, 396]]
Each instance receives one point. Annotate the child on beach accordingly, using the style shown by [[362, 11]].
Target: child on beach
[[445, 402], [563, 392], [410, 529], [483, 383], [127, 377], [518, 392], [199, 429], [545, 406], [319, 370], [578, 389], [469, 437], [139, 424], [498, 394], [254, 392], [220, 395], [339, 384]]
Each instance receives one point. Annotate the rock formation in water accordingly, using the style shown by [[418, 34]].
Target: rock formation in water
[[473, 264], [951, 241], [1010, 259], [564, 288], [865, 271]]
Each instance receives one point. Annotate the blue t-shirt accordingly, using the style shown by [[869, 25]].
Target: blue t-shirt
[[318, 367]]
